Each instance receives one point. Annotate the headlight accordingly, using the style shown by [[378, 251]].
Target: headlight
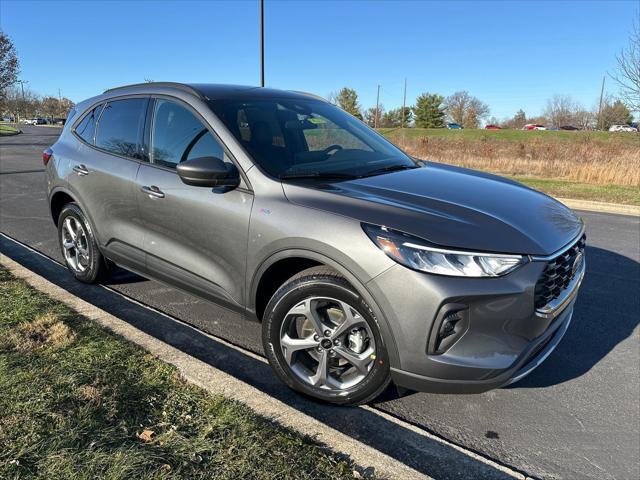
[[419, 255]]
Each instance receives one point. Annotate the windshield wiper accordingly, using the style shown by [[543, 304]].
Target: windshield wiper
[[338, 175], [390, 168]]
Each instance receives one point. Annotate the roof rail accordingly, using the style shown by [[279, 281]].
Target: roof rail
[[180, 86]]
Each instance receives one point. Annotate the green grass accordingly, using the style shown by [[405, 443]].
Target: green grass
[[515, 135], [8, 130], [583, 191], [74, 399]]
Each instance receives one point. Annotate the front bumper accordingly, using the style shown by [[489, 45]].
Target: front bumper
[[504, 337]]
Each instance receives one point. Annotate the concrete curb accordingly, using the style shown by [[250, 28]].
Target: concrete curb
[[602, 207], [220, 383]]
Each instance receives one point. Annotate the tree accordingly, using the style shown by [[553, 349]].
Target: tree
[[561, 110], [519, 119], [370, 115], [428, 112], [50, 107], [347, 99], [9, 66], [465, 109], [628, 73], [614, 112], [584, 119]]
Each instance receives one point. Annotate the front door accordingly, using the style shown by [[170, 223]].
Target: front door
[[195, 237]]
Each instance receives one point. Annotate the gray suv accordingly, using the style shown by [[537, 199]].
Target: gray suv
[[364, 265]]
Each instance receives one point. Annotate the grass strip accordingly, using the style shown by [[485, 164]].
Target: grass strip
[[8, 130], [79, 402]]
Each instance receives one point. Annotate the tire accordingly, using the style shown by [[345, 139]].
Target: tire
[[325, 291], [92, 265]]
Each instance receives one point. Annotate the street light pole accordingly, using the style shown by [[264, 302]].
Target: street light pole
[[21, 82], [262, 43]]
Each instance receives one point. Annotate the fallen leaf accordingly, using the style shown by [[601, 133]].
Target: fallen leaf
[[146, 435]]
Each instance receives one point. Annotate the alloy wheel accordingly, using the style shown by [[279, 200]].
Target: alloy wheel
[[75, 245], [327, 343]]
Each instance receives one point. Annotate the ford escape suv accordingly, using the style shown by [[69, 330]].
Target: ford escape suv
[[364, 265]]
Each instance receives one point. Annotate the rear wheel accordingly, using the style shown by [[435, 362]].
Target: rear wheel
[[78, 245], [323, 340]]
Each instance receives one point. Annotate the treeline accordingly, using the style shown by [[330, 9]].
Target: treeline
[[432, 110], [19, 103]]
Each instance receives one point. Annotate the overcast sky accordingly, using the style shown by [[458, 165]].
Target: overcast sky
[[509, 54]]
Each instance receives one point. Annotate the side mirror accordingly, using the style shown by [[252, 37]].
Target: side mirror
[[208, 172]]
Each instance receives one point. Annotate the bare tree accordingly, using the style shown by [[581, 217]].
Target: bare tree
[[584, 119], [628, 72], [560, 110], [465, 109], [370, 115]]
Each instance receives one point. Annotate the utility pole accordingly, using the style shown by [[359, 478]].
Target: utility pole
[[404, 104], [375, 120], [262, 43], [59, 103], [600, 107]]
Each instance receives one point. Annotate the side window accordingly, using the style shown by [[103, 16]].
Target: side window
[[86, 128], [177, 135], [120, 126]]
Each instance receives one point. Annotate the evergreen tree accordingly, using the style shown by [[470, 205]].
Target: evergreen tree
[[347, 99], [428, 112]]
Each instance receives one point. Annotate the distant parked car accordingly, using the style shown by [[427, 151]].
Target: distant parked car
[[569, 127], [534, 126], [622, 128], [454, 126], [40, 121], [493, 127], [29, 121], [59, 121]]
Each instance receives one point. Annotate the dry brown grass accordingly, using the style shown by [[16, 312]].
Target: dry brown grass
[[582, 160], [47, 330]]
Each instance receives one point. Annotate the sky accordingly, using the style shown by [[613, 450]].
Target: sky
[[510, 54]]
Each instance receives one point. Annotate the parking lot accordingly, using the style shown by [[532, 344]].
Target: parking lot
[[575, 417]]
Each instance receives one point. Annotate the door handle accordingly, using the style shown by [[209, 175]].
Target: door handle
[[152, 191], [81, 170]]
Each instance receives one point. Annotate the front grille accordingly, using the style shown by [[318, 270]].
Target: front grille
[[557, 274]]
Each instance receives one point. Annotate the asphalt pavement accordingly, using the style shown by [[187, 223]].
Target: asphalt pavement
[[576, 416]]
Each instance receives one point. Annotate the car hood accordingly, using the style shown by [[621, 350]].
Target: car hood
[[449, 206]]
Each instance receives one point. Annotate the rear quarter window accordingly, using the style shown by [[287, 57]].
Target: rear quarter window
[[120, 126], [87, 126]]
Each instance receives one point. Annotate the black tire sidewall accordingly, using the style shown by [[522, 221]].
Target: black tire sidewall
[[97, 264], [288, 296]]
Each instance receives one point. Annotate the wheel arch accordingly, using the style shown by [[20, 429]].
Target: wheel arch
[[296, 260]]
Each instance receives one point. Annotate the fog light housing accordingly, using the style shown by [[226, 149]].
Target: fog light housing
[[451, 323]]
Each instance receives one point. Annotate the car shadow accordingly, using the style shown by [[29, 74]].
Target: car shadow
[[423, 453], [607, 312]]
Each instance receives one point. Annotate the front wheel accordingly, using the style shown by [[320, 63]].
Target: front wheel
[[323, 340]]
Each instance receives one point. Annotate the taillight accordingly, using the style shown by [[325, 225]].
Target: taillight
[[46, 155]]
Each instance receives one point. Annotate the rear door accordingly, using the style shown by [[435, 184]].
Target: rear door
[[104, 173], [196, 237]]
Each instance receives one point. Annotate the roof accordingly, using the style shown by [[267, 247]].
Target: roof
[[213, 91]]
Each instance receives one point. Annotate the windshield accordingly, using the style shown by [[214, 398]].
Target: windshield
[[291, 138]]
